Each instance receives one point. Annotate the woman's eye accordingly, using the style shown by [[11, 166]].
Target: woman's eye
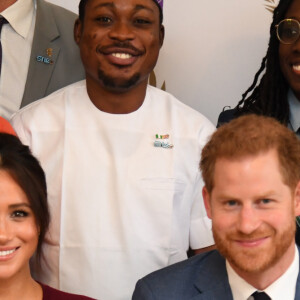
[[19, 214]]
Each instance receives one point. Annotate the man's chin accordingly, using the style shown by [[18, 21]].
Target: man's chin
[[119, 85]]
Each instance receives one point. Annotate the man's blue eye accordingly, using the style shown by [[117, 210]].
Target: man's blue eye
[[265, 201]]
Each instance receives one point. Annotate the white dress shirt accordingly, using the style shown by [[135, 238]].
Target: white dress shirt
[[16, 40], [283, 288]]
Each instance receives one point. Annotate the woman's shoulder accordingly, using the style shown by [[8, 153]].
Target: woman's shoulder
[[50, 293]]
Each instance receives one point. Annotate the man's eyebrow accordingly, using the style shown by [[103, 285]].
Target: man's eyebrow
[[106, 4], [140, 7]]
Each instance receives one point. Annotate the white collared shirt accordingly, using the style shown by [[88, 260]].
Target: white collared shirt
[[16, 40], [283, 288], [294, 104]]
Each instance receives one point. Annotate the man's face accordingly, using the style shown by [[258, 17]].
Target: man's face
[[289, 55], [119, 42], [253, 213]]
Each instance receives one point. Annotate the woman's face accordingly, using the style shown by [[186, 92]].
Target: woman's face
[[18, 229], [289, 55]]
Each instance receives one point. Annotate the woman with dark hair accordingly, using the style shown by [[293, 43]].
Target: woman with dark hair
[[24, 220], [277, 79]]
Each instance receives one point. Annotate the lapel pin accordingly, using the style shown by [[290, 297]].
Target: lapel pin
[[49, 52], [163, 141], [46, 60]]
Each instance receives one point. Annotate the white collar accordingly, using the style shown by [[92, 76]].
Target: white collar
[[294, 104], [20, 15], [283, 288]]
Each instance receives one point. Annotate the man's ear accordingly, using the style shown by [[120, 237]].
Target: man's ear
[[206, 198], [161, 35], [77, 31], [297, 199]]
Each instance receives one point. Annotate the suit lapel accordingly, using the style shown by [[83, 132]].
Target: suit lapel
[[212, 281], [41, 63]]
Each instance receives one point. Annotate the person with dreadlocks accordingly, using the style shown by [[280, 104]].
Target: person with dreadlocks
[[119, 156], [275, 91], [277, 94]]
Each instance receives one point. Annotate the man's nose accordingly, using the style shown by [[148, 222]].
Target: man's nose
[[248, 220], [122, 31]]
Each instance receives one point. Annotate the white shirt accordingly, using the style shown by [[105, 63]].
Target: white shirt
[[122, 207], [16, 40], [283, 288], [294, 104]]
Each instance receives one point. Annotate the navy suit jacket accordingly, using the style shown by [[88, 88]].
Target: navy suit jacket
[[202, 277], [53, 30]]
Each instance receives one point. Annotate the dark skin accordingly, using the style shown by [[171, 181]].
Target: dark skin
[[119, 41], [4, 4]]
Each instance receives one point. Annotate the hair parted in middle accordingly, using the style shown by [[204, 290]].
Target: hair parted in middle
[[16, 159], [252, 135], [269, 97]]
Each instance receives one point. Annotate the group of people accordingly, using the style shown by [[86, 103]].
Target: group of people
[[126, 193]]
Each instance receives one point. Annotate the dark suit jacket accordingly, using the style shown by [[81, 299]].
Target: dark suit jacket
[[202, 277], [53, 30]]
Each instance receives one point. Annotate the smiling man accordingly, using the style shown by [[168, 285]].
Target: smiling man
[[120, 158], [252, 195]]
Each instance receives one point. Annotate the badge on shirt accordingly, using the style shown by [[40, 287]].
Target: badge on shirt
[[163, 141], [46, 60]]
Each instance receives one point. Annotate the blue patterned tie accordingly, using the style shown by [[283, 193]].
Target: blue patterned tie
[[2, 21], [260, 296]]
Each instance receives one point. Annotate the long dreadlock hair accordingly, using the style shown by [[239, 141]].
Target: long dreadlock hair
[[269, 97]]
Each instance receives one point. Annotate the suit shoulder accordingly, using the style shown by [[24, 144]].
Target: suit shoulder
[[60, 12], [182, 271], [178, 281]]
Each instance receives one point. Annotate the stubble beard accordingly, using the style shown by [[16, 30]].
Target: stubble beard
[[113, 84], [254, 260]]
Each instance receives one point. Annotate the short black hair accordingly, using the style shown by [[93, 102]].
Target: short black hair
[[269, 96], [83, 3], [17, 160]]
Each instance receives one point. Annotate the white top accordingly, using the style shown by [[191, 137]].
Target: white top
[[294, 111], [121, 206], [283, 288], [16, 40]]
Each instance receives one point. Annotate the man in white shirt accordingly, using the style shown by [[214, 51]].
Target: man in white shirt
[[120, 159], [251, 171], [39, 55]]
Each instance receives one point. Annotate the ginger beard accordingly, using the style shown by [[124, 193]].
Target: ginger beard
[[255, 259]]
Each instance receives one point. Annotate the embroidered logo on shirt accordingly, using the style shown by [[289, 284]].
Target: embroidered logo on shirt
[[163, 141]]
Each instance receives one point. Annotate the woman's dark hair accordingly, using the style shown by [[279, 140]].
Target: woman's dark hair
[[24, 168], [83, 3], [269, 97]]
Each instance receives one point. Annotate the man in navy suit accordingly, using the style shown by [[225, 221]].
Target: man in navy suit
[[252, 195]]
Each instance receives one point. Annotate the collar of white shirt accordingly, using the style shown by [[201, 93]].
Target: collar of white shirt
[[294, 104], [283, 288], [19, 15]]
